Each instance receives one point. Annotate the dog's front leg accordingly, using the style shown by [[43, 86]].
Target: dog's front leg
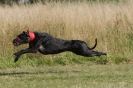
[[19, 53]]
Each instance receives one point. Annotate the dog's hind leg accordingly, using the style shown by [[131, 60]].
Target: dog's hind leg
[[84, 51], [96, 53], [81, 48], [90, 53]]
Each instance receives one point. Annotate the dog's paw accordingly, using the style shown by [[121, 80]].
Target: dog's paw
[[16, 57]]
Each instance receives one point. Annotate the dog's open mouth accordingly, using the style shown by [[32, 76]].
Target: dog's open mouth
[[15, 43]]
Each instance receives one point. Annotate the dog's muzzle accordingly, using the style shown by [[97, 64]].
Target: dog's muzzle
[[16, 42]]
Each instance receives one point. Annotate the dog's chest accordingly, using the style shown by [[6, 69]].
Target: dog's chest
[[41, 48]]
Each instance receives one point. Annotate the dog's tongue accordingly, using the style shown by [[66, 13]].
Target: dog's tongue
[[32, 36]]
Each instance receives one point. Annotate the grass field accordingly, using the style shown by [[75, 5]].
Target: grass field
[[69, 76], [111, 23]]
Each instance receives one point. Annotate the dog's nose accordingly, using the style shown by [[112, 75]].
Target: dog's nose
[[14, 42]]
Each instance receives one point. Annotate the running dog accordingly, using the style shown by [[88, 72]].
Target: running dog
[[47, 44]]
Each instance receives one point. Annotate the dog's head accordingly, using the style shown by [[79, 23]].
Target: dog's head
[[23, 38]]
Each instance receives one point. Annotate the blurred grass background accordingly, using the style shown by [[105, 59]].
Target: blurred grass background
[[111, 23]]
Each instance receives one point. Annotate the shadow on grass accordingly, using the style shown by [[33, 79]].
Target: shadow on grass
[[35, 73], [19, 73]]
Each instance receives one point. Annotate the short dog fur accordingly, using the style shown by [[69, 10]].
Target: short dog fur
[[47, 44]]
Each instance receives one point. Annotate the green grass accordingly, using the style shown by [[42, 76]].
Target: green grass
[[49, 60], [110, 23], [68, 76]]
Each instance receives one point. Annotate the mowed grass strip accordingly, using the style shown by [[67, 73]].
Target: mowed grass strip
[[69, 76]]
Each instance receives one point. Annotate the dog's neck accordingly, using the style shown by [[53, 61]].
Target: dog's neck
[[31, 36]]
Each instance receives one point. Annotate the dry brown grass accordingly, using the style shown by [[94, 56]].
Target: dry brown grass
[[110, 23]]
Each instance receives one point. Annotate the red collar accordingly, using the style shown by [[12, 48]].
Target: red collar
[[31, 36]]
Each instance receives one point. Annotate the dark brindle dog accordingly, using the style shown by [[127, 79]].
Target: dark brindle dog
[[46, 44]]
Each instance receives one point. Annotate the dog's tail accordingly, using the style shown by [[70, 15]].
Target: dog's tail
[[94, 45]]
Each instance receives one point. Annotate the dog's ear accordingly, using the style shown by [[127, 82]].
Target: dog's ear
[[28, 31], [24, 32]]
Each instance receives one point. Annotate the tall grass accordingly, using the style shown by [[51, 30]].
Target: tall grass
[[111, 23]]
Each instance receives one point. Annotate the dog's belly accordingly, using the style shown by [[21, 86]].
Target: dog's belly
[[43, 50], [51, 50]]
